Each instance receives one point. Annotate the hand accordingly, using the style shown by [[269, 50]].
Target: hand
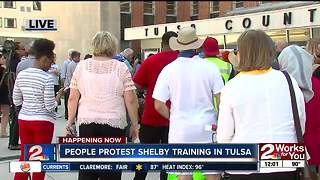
[[67, 130], [70, 130], [56, 72], [317, 60], [59, 94], [134, 131], [136, 62]]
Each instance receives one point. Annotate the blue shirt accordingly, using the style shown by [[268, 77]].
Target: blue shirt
[[64, 68], [121, 58], [187, 53]]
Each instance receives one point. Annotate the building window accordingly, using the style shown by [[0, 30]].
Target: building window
[[0, 4], [148, 7], [125, 20], [214, 9], [194, 7], [148, 11], [0, 22], [299, 36], [171, 19], [237, 4], [171, 12], [194, 10], [36, 5], [171, 8], [10, 22], [316, 32], [28, 9], [277, 35], [263, 2], [148, 20], [22, 8], [9, 4], [125, 6]]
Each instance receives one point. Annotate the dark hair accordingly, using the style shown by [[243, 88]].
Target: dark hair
[[151, 54], [75, 54], [166, 36], [43, 47], [17, 44], [87, 56]]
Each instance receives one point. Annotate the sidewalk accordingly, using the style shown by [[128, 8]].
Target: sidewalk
[[7, 155]]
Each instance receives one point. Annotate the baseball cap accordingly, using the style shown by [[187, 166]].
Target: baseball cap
[[210, 47]]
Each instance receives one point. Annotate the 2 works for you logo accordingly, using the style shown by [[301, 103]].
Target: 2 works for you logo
[[41, 24], [282, 151]]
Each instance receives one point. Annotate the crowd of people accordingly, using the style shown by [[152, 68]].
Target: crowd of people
[[257, 93]]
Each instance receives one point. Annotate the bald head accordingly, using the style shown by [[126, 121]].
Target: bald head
[[128, 53], [280, 45]]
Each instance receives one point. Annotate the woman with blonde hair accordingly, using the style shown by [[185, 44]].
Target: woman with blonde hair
[[255, 106], [313, 47], [101, 89]]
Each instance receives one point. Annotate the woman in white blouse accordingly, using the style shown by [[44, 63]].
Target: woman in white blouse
[[255, 106]]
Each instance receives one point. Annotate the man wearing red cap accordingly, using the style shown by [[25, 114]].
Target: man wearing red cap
[[211, 51]]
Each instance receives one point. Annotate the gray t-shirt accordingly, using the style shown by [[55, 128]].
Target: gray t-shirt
[[25, 64], [70, 69]]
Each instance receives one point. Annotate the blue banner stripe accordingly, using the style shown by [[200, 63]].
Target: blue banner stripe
[[159, 151]]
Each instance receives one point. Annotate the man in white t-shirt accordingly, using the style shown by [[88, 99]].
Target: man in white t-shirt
[[54, 71], [190, 83]]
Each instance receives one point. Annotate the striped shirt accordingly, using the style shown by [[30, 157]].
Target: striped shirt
[[34, 90]]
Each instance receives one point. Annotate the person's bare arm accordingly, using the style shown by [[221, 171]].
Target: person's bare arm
[[217, 96], [161, 108], [73, 106], [131, 101]]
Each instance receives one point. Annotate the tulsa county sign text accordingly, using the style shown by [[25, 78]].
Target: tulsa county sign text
[[246, 22]]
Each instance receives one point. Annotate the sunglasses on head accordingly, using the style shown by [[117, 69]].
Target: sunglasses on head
[[235, 51]]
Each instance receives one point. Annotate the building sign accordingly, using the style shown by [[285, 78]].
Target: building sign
[[303, 16], [41, 24]]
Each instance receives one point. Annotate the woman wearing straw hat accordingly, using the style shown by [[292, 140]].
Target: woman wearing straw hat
[[195, 78]]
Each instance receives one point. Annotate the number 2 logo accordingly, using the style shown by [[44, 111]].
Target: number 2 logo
[[35, 153], [267, 153]]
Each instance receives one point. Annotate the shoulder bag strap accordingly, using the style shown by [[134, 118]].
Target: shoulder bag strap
[[294, 109], [300, 174]]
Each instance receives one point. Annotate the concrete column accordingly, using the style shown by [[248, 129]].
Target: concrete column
[[136, 13], [110, 17], [160, 12], [136, 20], [183, 13], [225, 6], [204, 9]]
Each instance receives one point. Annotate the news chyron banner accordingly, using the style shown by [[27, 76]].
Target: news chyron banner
[[113, 154]]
